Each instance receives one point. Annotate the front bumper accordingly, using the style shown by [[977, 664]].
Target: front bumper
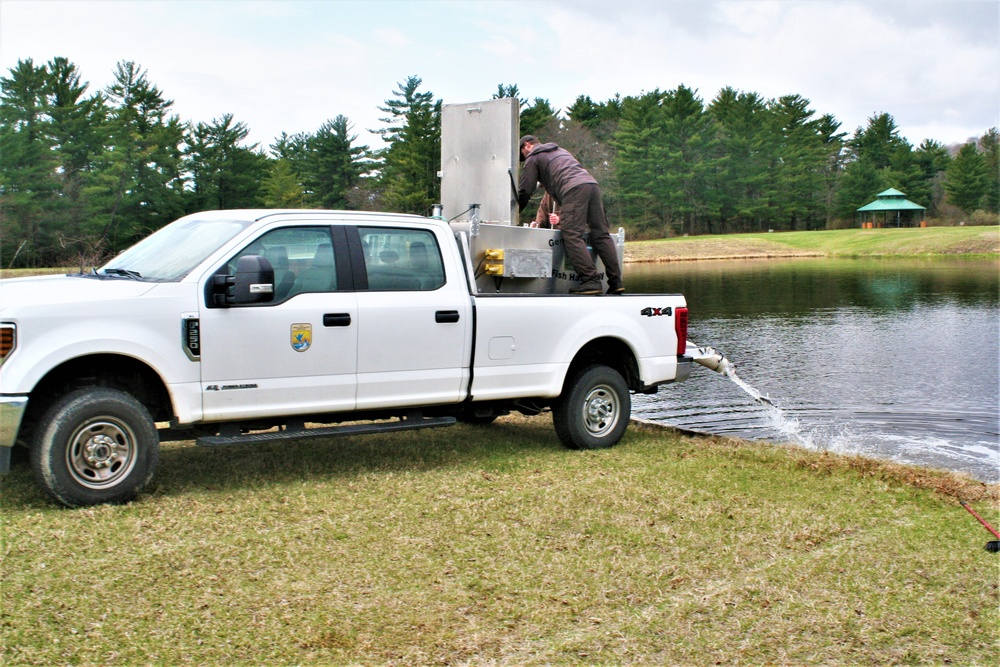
[[12, 410]]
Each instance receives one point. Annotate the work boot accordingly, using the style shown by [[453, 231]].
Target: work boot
[[587, 287], [615, 287]]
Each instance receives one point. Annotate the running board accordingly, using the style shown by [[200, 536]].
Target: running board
[[325, 432]]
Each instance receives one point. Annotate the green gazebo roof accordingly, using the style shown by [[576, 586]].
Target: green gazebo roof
[[891, 200]]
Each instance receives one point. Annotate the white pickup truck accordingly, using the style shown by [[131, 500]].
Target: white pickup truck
[[248, 326]]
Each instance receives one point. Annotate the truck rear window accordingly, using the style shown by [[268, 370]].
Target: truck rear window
[[401, 259]]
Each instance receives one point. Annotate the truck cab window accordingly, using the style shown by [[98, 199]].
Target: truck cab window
[[302, 258], [401, 259]]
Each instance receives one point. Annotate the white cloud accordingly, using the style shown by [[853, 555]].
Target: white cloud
[[752, 18], [392, 38], [289, 66], [847, 59]]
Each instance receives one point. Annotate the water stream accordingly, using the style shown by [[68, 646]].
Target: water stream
[[730, 373]]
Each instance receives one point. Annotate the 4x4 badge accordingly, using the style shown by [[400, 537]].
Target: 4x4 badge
[[302, 336]]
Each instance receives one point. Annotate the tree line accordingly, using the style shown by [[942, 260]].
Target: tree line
[[84, 174]]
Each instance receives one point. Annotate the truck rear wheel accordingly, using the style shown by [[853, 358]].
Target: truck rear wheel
[[95, 445], [594, 411]]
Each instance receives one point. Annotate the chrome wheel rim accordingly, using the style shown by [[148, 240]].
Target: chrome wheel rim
[[601, 410], [101, 453]]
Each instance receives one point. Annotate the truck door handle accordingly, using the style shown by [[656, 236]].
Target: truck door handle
[[337, 320], [445, 316]]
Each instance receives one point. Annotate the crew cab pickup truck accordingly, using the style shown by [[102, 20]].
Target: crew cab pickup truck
[[248, 326]]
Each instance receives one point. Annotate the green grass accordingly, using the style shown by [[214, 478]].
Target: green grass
[[833, 243], [497, 546], [904, 241]]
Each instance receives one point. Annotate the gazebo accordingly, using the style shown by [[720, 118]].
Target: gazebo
[[891, 201]]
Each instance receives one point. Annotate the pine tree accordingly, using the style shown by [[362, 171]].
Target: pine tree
[[334, 165], [907, 175], [79, 132], [600, 118], [914, 172], [833, 159], [539, 115], [78, 125], [968, 179], [533, 118], [281, 186], [584, 111], [224, 174], [141, 173], [28, 166], [869, 157], [858, 186], [638, 134], [293, 148], [408, 179], [878, 142], [687, 161], [932, 159], [744, 179], [802, 157], [989, 145], [505, 91]]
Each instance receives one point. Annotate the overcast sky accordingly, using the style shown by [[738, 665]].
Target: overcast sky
[[287, 66]]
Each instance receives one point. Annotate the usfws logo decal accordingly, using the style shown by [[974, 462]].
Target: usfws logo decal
[[302, 337]]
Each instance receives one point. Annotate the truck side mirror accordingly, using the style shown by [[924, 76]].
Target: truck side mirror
[[252, 283]]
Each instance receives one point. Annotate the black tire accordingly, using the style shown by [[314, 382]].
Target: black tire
[[594, 410], [94, 446]]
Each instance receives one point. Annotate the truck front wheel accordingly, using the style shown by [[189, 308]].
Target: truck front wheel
[[594, 411], [95, 445]]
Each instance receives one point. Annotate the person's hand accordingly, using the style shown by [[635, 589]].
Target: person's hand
[[553, 219], [533, 224]]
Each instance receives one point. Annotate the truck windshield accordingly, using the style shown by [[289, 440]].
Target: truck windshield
[[174, 251]]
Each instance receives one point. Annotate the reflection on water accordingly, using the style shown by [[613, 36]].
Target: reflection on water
[[893, 359]]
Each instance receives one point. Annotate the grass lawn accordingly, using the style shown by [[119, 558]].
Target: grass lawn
[[473, 546], [831, 243], [497, 546]]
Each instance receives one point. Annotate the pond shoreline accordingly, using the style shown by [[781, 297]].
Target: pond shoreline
[[713, 257]]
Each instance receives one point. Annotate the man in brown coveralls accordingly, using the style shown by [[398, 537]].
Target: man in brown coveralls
[[577, 192]]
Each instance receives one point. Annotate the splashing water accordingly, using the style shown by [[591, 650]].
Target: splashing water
[[841, 438], [876, 429], [776, 418]]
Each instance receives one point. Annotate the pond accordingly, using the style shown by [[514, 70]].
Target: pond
[[886, 358]]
